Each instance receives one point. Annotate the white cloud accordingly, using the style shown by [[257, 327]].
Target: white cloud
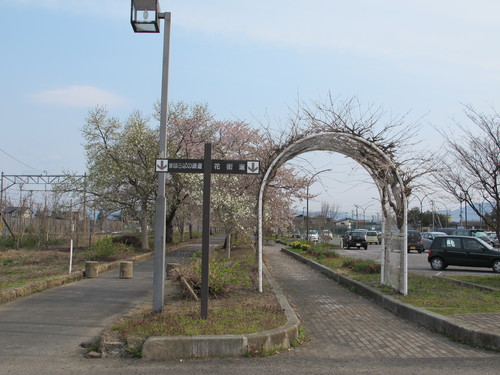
[[80, 96], [459, 32]]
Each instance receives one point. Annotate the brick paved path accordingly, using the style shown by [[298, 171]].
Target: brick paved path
[[342, 324]]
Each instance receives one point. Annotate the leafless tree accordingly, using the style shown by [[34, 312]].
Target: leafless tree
[[327, 216], [471, 171]]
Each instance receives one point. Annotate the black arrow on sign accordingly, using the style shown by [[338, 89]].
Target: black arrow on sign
[[162, 165], [253, 167]]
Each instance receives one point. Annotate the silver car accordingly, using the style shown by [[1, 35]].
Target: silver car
[[428, 237]]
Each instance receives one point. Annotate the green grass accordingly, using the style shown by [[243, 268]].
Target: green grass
[[236, 316], [438, 295], [490, 281], [238, 309]]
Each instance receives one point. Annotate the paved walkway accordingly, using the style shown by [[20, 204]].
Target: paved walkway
[[54, 322], [342, 324]]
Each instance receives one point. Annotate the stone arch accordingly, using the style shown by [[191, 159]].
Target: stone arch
[[387, 178]]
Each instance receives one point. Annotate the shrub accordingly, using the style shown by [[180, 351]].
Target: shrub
[[224, 275], [321, 253], [366, 266], [127, 239], [102, 249]]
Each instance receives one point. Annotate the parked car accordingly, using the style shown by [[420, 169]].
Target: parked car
[[345, 237], [356, 239], [313, 235], [462, 251], [428, 237], [296, 234], [327, 234], [372, 237], [448, 231], [469, 232], [494, 238], [415, 241], [475, 233]]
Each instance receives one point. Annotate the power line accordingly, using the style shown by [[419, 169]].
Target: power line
[[19, 161]]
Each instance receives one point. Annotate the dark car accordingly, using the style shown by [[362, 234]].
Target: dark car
[[356, 239], [428, 237], [448, 231], [345, 237], [475, 233], [462, 251], [415, 241]]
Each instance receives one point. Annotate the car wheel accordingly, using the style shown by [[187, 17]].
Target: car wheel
[[496, 266], [420, 251], [365, 247], [437, 264]]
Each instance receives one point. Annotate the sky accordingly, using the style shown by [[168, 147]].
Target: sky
[[248, 60]]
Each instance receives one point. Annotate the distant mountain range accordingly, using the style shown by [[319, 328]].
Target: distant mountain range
[[454, 214]]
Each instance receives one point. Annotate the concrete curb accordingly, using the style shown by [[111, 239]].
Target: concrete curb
[[177, 347], [439, 323]]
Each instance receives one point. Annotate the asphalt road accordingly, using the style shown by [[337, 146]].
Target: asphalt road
[[417, 263]]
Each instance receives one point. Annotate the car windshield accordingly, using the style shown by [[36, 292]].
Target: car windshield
[[479, 234]]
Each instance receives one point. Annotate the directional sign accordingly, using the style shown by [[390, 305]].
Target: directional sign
[[236, 166], [179, 165], [218, 166]]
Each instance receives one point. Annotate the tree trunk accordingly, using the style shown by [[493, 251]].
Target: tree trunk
[[227, 245], [144, 233], [180, 227], [169, 232]]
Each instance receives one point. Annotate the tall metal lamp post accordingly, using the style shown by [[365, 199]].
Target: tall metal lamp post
[[421, 201], [364, 212], [307, 200], [144, 17]]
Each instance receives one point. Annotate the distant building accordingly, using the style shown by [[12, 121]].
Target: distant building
[[18, 212]]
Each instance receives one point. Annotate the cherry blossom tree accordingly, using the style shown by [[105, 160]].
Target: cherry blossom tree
[[120, 162], [121, 159]]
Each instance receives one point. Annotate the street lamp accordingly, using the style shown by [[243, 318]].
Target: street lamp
[[144, 16], [364, 212], [307, 200], [421, 200], [447, 213]]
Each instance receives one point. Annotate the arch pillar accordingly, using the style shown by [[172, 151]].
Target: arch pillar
[[387, 178]]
